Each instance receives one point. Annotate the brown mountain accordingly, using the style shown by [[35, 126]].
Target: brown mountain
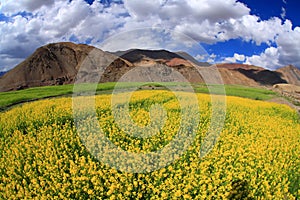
[[62, 63], [160, 60], [52, 64]]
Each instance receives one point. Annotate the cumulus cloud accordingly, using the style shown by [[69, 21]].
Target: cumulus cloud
[[289, 47], [236, 58], [66, 18], [51, 22], [8, 61], [267, 59], [145, 38], [153, 38], [35, 23], [142, 9], [287, 51], [195, 10], [239, 57], [211, 58], [200, 57], [251, 28], [12, 7]]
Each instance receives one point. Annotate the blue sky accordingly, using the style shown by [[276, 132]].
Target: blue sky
[[265, 33]]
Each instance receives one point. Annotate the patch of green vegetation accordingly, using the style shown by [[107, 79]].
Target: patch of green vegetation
[[237, 90], [249, 92], [15, 97]]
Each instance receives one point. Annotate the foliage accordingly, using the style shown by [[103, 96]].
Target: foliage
[[239, 91]]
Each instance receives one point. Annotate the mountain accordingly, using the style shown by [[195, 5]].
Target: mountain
[[249, 75], [160, 60], [136, 55], [65, 62], [52, 64]]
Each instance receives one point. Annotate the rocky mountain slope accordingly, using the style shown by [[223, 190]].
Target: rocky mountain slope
[[52, 64], [291, 74], [63, 63]]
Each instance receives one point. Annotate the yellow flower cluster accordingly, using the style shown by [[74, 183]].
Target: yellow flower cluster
[[256, 157]]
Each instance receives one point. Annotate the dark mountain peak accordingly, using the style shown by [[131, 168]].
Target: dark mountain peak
[[136, 55]]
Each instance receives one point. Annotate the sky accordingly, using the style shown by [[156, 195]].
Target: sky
[[265, 33]]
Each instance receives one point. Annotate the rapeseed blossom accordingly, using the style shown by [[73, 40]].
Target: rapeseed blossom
[[256, 156]]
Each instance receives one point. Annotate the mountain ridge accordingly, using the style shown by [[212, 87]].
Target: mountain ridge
[[59, 63]]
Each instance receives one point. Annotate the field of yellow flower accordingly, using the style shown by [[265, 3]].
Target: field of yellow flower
[[256, 157]]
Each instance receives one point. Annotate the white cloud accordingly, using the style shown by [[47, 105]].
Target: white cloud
[[204, 57], [55, 22], [152, 38], [236, 57], [13, 7], [141, 10], [287, 52], [205, 21], [268, 59], [100, 22], [7, 62], [251, 28], [211, 58], [136, 39], [239, 57], [66, 18], [195, 10], [200, 57], [289, 47], [229, 60]]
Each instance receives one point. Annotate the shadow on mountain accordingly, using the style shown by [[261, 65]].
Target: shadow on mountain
[[264, 77], [136, 55]]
